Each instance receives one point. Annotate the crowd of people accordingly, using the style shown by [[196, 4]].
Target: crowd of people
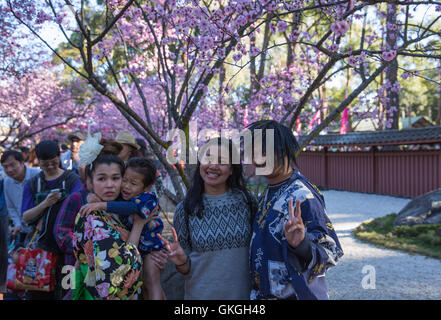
[[95, 208]]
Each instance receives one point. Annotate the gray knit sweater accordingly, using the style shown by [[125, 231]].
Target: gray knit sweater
[[218, 247]]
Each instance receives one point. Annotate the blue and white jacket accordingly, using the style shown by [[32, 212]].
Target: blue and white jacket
[[279, 271]]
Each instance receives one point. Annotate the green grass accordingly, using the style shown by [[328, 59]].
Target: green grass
[[421, 239]]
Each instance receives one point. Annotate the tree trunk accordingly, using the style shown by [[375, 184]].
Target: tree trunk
[[265, 44], [380, 105], [220, 92], [325, 106], [392, 70], [291, 46], [254, 85], [348, 83], [438, 116]]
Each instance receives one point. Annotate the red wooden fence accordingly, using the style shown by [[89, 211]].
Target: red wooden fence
[[398, 173]]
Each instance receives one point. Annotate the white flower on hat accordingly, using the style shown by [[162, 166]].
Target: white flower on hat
[[90, 149]]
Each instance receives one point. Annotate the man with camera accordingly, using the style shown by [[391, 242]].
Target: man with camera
[[43, 197]]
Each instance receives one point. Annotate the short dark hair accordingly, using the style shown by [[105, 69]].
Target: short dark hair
[[25, 149], [105, 159], [143, 146], [285, 143], [12, 153], [145, 167], [47, 149]]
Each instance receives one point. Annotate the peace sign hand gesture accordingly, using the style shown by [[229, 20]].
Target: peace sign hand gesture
[[294, 227], [175, 252]]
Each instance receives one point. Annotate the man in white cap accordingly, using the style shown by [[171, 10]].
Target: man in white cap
[[129, 144]]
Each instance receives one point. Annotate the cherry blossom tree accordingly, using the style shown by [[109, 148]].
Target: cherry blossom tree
[[164, 63], [35, 104], [19, 53]]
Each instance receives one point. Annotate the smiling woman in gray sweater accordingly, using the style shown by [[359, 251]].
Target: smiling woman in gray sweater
[[213, 231]]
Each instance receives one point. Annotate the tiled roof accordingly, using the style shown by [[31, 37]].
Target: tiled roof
[[383, 137]]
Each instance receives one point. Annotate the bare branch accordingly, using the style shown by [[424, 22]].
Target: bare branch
[[342, 106], [112, 23], [45, 42]]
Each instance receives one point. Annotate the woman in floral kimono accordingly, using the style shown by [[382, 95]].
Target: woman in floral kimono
[[109, 262]]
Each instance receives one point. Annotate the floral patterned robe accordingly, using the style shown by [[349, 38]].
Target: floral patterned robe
[[113, 264]]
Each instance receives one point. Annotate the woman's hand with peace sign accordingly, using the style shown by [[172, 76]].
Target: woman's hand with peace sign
[[294, 227], [176, 254]]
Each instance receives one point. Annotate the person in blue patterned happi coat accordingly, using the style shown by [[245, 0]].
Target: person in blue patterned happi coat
[[293, 240]]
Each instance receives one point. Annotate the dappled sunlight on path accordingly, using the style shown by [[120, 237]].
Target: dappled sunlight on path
[[398, 275]]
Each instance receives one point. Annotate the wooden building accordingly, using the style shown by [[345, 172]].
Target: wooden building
[[403, 163]]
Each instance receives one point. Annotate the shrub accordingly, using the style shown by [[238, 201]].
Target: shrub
[[422, 238]]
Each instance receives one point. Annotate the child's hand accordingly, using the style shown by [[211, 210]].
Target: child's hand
[[159, 258], [175, 252], [88, 208], [92, 197]]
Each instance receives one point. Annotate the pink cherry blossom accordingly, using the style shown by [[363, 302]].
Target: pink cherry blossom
[[282, 26], [254, 51], [237, 56], [352, 61], [389, 55], [294, 35], [339, 28], [334, 47]]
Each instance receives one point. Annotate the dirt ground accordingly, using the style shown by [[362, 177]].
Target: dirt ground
[[172, 281], [166, 214]]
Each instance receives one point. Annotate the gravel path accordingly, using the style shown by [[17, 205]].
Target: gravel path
[[398, 275]]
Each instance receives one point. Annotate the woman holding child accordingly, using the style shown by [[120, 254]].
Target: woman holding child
[[109, 261], [120, 200], [137, 199]]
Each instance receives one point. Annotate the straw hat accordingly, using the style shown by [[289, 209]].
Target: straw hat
[[127, 138], [77, 135]]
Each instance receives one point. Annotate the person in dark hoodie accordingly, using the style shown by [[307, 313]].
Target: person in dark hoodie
[[43, 196]]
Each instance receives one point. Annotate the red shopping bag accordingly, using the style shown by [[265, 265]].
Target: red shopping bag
[[32, 269]]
